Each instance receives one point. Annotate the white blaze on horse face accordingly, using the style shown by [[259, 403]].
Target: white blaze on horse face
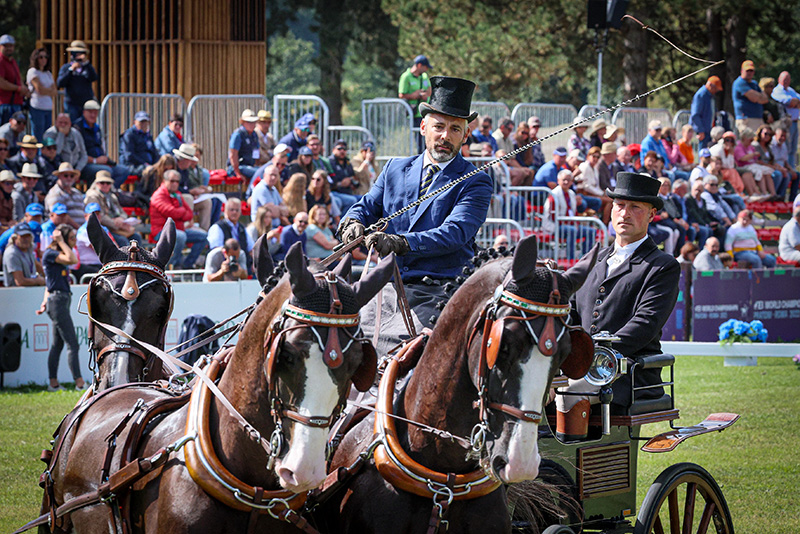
[[303, 468], [118, 374], [523, 447]]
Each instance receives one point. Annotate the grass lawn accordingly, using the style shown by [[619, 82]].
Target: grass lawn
[[755, 461]]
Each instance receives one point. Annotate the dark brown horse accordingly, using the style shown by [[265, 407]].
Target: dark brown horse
[[131, 293], [287, 379], [503, 332]]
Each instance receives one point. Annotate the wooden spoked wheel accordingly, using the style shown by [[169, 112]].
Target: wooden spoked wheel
[[684, 499]]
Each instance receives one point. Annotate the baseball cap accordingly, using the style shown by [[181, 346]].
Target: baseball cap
[[23, 229], [92, 207], [248, 116], [304, 151], [340, 142], [264, 115], [142, 116], [7, 39], [34, 209], [49, 141], [19, 117], [534, 121], [281, 148], [560, 151], [92, 104], [748, 65], [422, 59], [368, 145], [304, 121], [705, 153], [654, 124], [59, 208], [714, 80]]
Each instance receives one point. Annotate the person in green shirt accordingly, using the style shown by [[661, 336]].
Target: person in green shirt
[[415, 87]]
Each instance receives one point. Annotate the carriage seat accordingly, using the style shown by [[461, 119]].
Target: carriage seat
[[647, 408]]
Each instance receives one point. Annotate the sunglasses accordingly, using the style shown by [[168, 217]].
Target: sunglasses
[[301, 222], [3, 149]]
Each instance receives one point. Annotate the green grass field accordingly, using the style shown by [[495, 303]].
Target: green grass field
[[755, 461]]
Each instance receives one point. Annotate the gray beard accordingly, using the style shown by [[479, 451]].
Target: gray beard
[[441, 157]]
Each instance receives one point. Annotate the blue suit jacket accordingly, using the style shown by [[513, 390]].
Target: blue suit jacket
[[441, 230]]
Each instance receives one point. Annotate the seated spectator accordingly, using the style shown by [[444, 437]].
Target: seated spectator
[[364, 168], [7, 182], [171, 137], [715, 204], [88, 261], [4, 155], [226, 263], [268, 194], [675, 157], [622, 163], [96, 158], [260, 223], [266, 142], [577, 141], [13, 132], [574, 160], [533, 135], [303, 165], [502, 135], [64, 192], [501, 242], [294, 194], [588, 183], [564, 203], [613, 132], [636, 152], [280, 160], [742, 241], [688, 253], [747, 157], [343, 179], [708, 259], [58, 215], [780, 150], [726, 259], [649, 165], [32, 217], [28, 153], [152, 177], [685, 143], [789, 241], [319, 237], [167, 202], [763, 146], [775, 112], [606, 177], [293, 233], [24, 193], [547, 175], [483, 134], [740, 178], [319, 193], [137, 149], [652, 142], [521, 166], [51, 161], [671, 215], [320, 162], [698, 213], [303, 127], [69, 142], [207, 209], [20, 266], [111, 214], [712, 166], [597, 133], [230, 226], [695, 231]]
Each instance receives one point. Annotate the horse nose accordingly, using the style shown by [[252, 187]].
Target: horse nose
[[298, 481], [287, 476]]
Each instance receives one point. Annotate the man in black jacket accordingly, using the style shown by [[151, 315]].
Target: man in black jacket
[[630, 292]]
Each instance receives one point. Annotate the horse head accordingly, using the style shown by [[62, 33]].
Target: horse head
[[316, 349], [523, 338], [131, 293]]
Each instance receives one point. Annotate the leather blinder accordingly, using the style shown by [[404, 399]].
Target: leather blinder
[[364, 376], [577, 364], [494, 342]]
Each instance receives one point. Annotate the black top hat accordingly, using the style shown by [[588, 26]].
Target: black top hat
[[450, 96], [639, 187]]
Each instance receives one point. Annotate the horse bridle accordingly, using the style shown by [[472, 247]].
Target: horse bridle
[[491, 342], [332, 355], [131, 290]]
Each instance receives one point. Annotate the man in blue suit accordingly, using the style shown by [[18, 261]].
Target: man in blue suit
[[433, 241]]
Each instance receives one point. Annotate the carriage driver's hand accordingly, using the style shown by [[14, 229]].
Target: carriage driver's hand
[[350, 230], [387, 243]]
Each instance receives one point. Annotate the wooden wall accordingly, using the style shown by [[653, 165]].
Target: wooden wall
[[186, 47]]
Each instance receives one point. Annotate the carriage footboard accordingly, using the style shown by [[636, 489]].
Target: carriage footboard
[[669, 440]]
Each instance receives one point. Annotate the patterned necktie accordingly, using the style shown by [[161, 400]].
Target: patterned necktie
[[428, 180]]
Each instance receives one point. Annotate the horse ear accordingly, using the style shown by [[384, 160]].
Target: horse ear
[[103, 245], [166, 243], [525, 257], [374, 280], [577, 274], [262, 260], [300, 277], [343, 269]]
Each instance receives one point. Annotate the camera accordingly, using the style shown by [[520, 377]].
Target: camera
[[233, 264]]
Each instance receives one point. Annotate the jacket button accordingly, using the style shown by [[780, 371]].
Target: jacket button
[[594, 328], [405, 269], [602, 289], [595, 314], [598, 302]]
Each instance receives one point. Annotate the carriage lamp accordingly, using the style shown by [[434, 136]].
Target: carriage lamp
[[608, 364]]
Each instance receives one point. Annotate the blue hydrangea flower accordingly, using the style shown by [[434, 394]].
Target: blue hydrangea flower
[[740, 328], [756, 325], [762, 335]]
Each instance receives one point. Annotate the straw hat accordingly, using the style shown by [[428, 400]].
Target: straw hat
[[597, 125], [30, 141], [66, 168], [30, 170], [186, 151], [248, 116], [103, 177], [77, 46]]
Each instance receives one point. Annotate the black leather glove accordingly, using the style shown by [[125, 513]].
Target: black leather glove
[[386, 243], [350, 230]]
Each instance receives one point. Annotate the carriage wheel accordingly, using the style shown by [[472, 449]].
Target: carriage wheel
[[558, 529], [684, 498]]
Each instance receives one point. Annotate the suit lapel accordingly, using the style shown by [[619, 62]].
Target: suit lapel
[[638, 255], [451, 172], [411, 178]]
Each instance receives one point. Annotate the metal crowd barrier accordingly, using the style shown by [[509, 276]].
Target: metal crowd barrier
[[211, 119], [286, 109], [179, 275], [391, 121], [577, 236], [496, 110], [354, 136], [118, 109], [681, 117], [635, 121], [553, 117], [588, 111], [493, 228], [525, 204]]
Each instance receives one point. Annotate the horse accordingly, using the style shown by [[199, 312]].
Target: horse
[[202, 462], [485, 372], [131, 293]]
